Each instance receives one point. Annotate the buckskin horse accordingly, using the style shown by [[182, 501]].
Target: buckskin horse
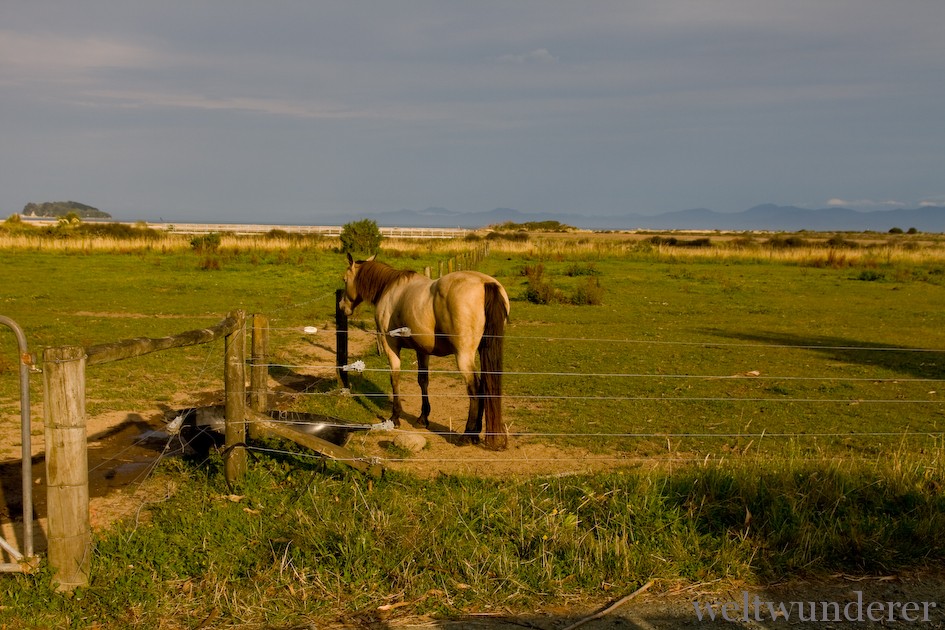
[[461, 313]]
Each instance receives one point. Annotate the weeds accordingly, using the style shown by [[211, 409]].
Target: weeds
[[541, 291], [314, 545]]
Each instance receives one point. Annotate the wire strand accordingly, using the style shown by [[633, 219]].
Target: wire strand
[[707, 377]]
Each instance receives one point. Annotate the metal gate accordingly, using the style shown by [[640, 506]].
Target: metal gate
[[22, 561]]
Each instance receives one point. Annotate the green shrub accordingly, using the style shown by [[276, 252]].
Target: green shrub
[[361, 237], [672, 241], [839, 241], [541, 291], [589, 294], [869, 275], [519, 237], [206, 242], [538, 290], [786, 242]]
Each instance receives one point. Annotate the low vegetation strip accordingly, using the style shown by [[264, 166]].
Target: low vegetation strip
[[316, 542]]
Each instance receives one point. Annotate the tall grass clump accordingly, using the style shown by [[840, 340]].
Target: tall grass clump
[[540, 290]]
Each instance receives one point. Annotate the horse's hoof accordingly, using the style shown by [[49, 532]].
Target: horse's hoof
[[423, 421], [468, 439]]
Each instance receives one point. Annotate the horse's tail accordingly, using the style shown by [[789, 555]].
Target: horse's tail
[[490, 360]]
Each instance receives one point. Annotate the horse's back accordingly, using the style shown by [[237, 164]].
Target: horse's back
[[465, 285]]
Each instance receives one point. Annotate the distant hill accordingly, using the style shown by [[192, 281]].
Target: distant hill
[[766, 217], [62, 208]]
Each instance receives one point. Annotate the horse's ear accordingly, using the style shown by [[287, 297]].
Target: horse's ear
[[350, 259], [373, 256]]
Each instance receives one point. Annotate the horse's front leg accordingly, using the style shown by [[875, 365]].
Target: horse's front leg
[[393, 357], [423, 379]]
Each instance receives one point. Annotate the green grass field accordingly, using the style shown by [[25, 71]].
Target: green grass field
[[799, 404]]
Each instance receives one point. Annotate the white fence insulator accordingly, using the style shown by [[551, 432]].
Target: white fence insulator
[[400, 332], [173, 427], [357, 366], [387, 425]]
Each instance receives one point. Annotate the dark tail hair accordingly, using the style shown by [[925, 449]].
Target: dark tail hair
[[490, 360]]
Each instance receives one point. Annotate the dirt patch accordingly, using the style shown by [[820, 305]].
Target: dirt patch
[[123, 448]]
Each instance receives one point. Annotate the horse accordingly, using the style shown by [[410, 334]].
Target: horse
[[461, 313]]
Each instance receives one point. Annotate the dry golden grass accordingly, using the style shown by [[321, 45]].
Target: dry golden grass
[[870, 250]]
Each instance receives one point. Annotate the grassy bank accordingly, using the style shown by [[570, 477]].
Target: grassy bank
[[315, 544]]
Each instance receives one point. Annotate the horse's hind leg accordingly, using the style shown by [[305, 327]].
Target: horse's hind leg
[[423, 379], [467, 366]]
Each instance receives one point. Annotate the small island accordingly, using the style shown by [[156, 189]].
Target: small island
[[63, 208]]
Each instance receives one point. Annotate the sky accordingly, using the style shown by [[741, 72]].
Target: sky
[[288, 110]]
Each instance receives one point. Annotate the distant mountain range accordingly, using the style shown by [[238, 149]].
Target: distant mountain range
[[767, 217]]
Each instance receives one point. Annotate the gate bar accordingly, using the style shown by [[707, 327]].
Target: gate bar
[[25, 561]]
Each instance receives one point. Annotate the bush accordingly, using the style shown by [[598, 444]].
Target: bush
[[14, 224], [868, 275], [361, 236], [519, 237], [590, 294], [839, 241], [116, 230], [781, 242], [672, 241], [539, 291], [206, 242]]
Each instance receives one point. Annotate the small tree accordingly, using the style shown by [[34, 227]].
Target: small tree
[[361, 236], [70, 219]]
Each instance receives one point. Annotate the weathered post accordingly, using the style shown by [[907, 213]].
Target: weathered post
[[67, 466], [259, 372], [234, 390], [341, 339]]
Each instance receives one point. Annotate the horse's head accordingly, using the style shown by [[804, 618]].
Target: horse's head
[[352, 296]]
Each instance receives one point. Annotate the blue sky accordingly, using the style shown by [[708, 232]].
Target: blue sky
[[285, 111]]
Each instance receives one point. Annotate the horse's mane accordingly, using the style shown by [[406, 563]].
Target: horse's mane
[[374, 278]]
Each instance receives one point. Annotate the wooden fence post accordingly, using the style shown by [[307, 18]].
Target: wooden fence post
[[234, 390], [259, 372], [341, 340], [67, 466]]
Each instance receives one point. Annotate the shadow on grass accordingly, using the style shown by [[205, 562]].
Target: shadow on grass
[[915, 362]]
